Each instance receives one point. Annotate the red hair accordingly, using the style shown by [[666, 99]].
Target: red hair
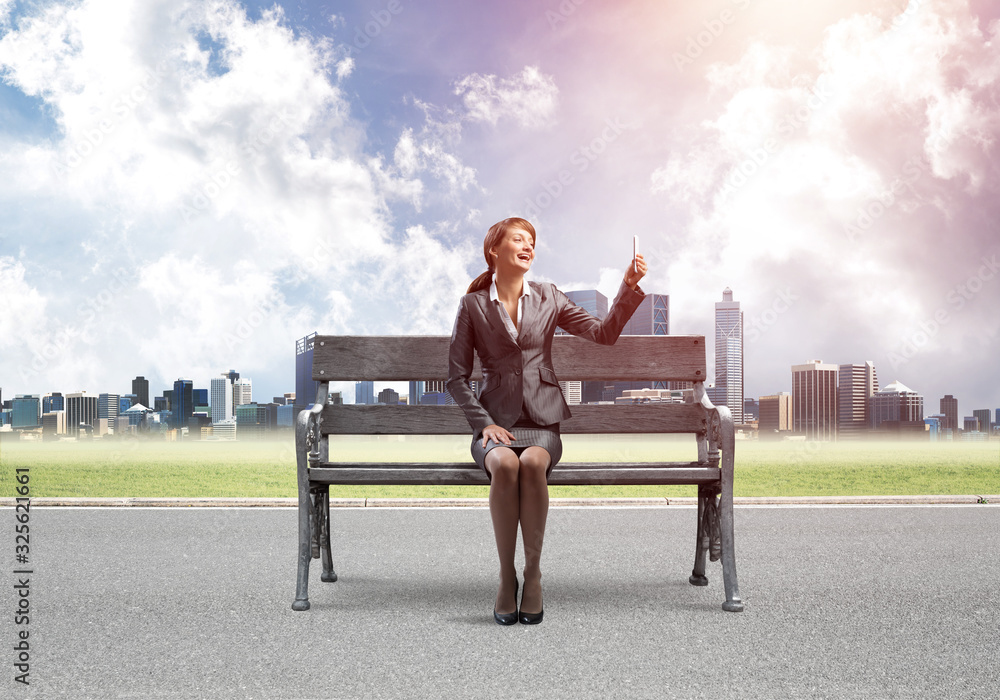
[[495, 237]]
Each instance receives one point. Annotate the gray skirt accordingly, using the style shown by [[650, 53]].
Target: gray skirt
[[527, 434]]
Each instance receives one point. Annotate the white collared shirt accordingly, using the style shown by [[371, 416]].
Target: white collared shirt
[[507, 321]]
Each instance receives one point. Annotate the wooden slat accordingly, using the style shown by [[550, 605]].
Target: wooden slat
[[468, 474], [423, 357], [354, 419]]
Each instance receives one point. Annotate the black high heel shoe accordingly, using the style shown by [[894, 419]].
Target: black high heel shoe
[[508, 618], [530, 618]]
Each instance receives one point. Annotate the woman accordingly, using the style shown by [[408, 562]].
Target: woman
[[515, 418]]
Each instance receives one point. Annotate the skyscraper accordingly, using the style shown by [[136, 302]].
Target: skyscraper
[[221, 399], [107, 408], [856, 383], [897, 405], [775, 415], [80, 408], [243, 391], [949, 407], [983, 416], [729, 354], [651, 318], [53, 402], [27, 411], [814, 400], [182, 403], [364, 392], [305, 387], [140, 387]]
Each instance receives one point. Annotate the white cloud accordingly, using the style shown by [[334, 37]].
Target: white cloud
[[529, 98], [899, 120], [216, 157]]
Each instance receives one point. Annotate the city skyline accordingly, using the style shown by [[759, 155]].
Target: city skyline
[[187, 189]]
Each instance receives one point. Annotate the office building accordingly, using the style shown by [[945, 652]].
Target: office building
[[751, 410], [251, 420], [364, 392], [775, 415], [856, 384], [243, 391], [286, 415], [81, 409], [26, 412], [53, 424], [305, 387], [232, 376], [729, 355], [651, 318], [140, 387], [107, 409], [814, 400], [949, 408], [590, 300], [983, 416], [970, 424], [127, 401], [53, 402], [182, 403], [200, 397], [221, 399], [572, 391], [897, 408], [224, 429], [416, 390], [388, 397]]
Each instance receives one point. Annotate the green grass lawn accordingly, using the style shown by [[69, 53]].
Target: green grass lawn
[[267, 469]]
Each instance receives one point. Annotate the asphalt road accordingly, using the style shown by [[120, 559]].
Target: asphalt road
[[841, 601]]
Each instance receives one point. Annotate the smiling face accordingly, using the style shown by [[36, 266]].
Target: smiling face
[[515, 254]]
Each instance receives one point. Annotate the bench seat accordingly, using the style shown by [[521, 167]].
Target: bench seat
[[468, 474]]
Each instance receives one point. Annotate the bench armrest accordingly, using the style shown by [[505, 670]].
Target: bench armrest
[[308, 434]]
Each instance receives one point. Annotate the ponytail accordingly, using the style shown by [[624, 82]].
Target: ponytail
[[482, 282]]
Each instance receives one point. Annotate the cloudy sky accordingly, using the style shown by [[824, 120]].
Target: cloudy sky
[[188, 187]]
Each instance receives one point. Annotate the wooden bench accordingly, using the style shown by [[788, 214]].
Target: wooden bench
[[402, 358]]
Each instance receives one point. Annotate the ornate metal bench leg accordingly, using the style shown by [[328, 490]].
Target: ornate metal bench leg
[[305, 554], [698, 577], [733, 601], [323, 511], [305, 515]]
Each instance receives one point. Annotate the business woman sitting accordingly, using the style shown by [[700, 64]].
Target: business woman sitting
[[515, 419]]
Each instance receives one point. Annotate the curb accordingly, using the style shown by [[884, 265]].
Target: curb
[[59, 501]]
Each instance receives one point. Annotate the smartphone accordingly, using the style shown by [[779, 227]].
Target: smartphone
[[635, 251]]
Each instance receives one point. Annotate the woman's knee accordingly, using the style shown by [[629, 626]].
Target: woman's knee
[[535, 462], [503, 465]]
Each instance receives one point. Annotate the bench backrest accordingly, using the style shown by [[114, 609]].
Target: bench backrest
[[404, 358]]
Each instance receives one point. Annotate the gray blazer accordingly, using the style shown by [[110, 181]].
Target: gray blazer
[[521, 372]]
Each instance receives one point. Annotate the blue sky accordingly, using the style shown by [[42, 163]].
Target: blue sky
[[191, 186]]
